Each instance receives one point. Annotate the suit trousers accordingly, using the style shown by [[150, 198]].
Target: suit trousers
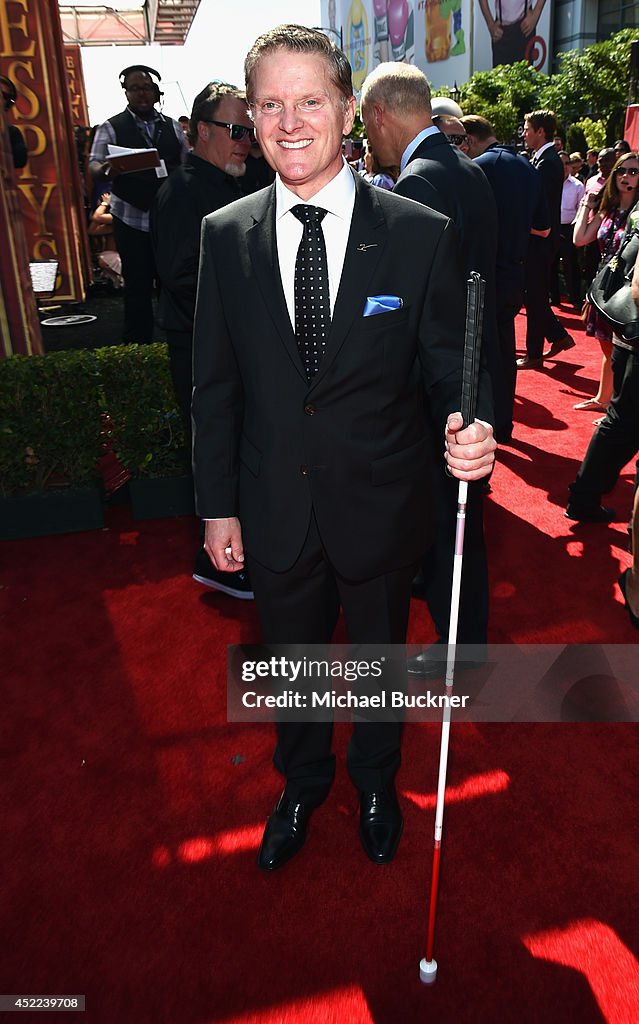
[[541, 321], [301, 606], [437, 566], [616, 440], [138, 271], [180, 345], [510, 295]]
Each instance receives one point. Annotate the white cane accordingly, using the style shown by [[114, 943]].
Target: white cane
[[470, 374]]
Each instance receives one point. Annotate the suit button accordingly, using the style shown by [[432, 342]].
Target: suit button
[[309, 410], [304, 470]]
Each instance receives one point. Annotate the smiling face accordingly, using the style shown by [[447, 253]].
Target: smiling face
[[300, 118]]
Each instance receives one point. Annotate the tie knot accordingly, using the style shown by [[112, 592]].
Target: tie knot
[[308, 214]]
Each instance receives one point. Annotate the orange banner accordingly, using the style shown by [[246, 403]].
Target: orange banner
[[51, 194]]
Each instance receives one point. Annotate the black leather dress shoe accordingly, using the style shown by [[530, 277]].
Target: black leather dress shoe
[[589, 513], [284, 835], [380, 824]]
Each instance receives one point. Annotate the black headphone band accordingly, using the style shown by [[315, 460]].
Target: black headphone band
[[138, 67]]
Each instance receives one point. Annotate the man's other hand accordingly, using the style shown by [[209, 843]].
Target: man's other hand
[[470, 453], [223, 544]]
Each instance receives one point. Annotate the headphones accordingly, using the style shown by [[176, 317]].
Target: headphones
[[149, 71], [13, 95]]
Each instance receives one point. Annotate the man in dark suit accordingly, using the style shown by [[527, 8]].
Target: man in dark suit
[[221, 134], [310, 446], [396, 110], [539, 130], [521, 212]]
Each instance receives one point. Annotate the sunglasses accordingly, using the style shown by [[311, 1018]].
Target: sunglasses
[[632, 172], [238, 132], [456, 140]]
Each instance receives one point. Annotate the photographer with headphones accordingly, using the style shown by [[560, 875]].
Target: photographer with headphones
[[16, 139], [139, 126]]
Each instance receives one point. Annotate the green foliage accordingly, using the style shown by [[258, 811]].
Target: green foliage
[[589, 89], [358, 130], [49, 422], [594, 133], [593, 82], [503, 96], [145, 428], [56, 411]]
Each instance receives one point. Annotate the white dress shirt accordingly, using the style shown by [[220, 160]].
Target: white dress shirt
[[338, 197], [417, 141], [571, 196], [542, 149]]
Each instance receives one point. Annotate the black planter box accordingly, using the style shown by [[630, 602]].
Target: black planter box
[[160, 497], [63, 511]]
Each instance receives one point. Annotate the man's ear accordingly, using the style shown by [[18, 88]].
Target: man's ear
[[202, 131], [378, 114]]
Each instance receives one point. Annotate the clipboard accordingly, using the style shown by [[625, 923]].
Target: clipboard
[[133, 160]]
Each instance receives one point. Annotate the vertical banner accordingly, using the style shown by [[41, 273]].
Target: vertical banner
[[20, 332], [75, 82], [51, 195]]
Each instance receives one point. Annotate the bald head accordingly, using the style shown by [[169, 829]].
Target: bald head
[[395, 107], [398, 87]]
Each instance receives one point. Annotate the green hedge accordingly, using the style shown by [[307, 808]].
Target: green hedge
[[145, 427], [56, 411]]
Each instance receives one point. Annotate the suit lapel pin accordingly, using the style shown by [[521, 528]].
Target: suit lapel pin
[[363, 246]]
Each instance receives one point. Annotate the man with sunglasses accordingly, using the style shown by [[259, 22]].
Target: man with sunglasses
[[139, 126], [221, 134]]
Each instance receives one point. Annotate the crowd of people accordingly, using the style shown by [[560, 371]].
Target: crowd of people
[[314, 320]]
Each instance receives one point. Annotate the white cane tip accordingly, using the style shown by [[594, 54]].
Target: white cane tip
[[427, 971]]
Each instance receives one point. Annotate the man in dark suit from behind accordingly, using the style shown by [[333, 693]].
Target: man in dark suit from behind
[[521, 211], [220, 132], [310, 450], [396, 110], [542, 324]]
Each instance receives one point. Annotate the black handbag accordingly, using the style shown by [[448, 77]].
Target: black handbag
[[610, 290]]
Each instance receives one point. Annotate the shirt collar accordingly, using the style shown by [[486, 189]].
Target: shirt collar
[[417, 141], [338, 196], [542, 149]]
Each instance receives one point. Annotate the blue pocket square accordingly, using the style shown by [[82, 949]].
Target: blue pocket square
[[382, 304]]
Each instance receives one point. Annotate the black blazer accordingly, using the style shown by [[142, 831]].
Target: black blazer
[[352, 445], [439, 175], [551, 169], [187, 196]]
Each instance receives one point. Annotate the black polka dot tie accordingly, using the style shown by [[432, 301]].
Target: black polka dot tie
[[312, 299]]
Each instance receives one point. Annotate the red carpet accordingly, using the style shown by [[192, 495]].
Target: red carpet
[[132, 811]]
